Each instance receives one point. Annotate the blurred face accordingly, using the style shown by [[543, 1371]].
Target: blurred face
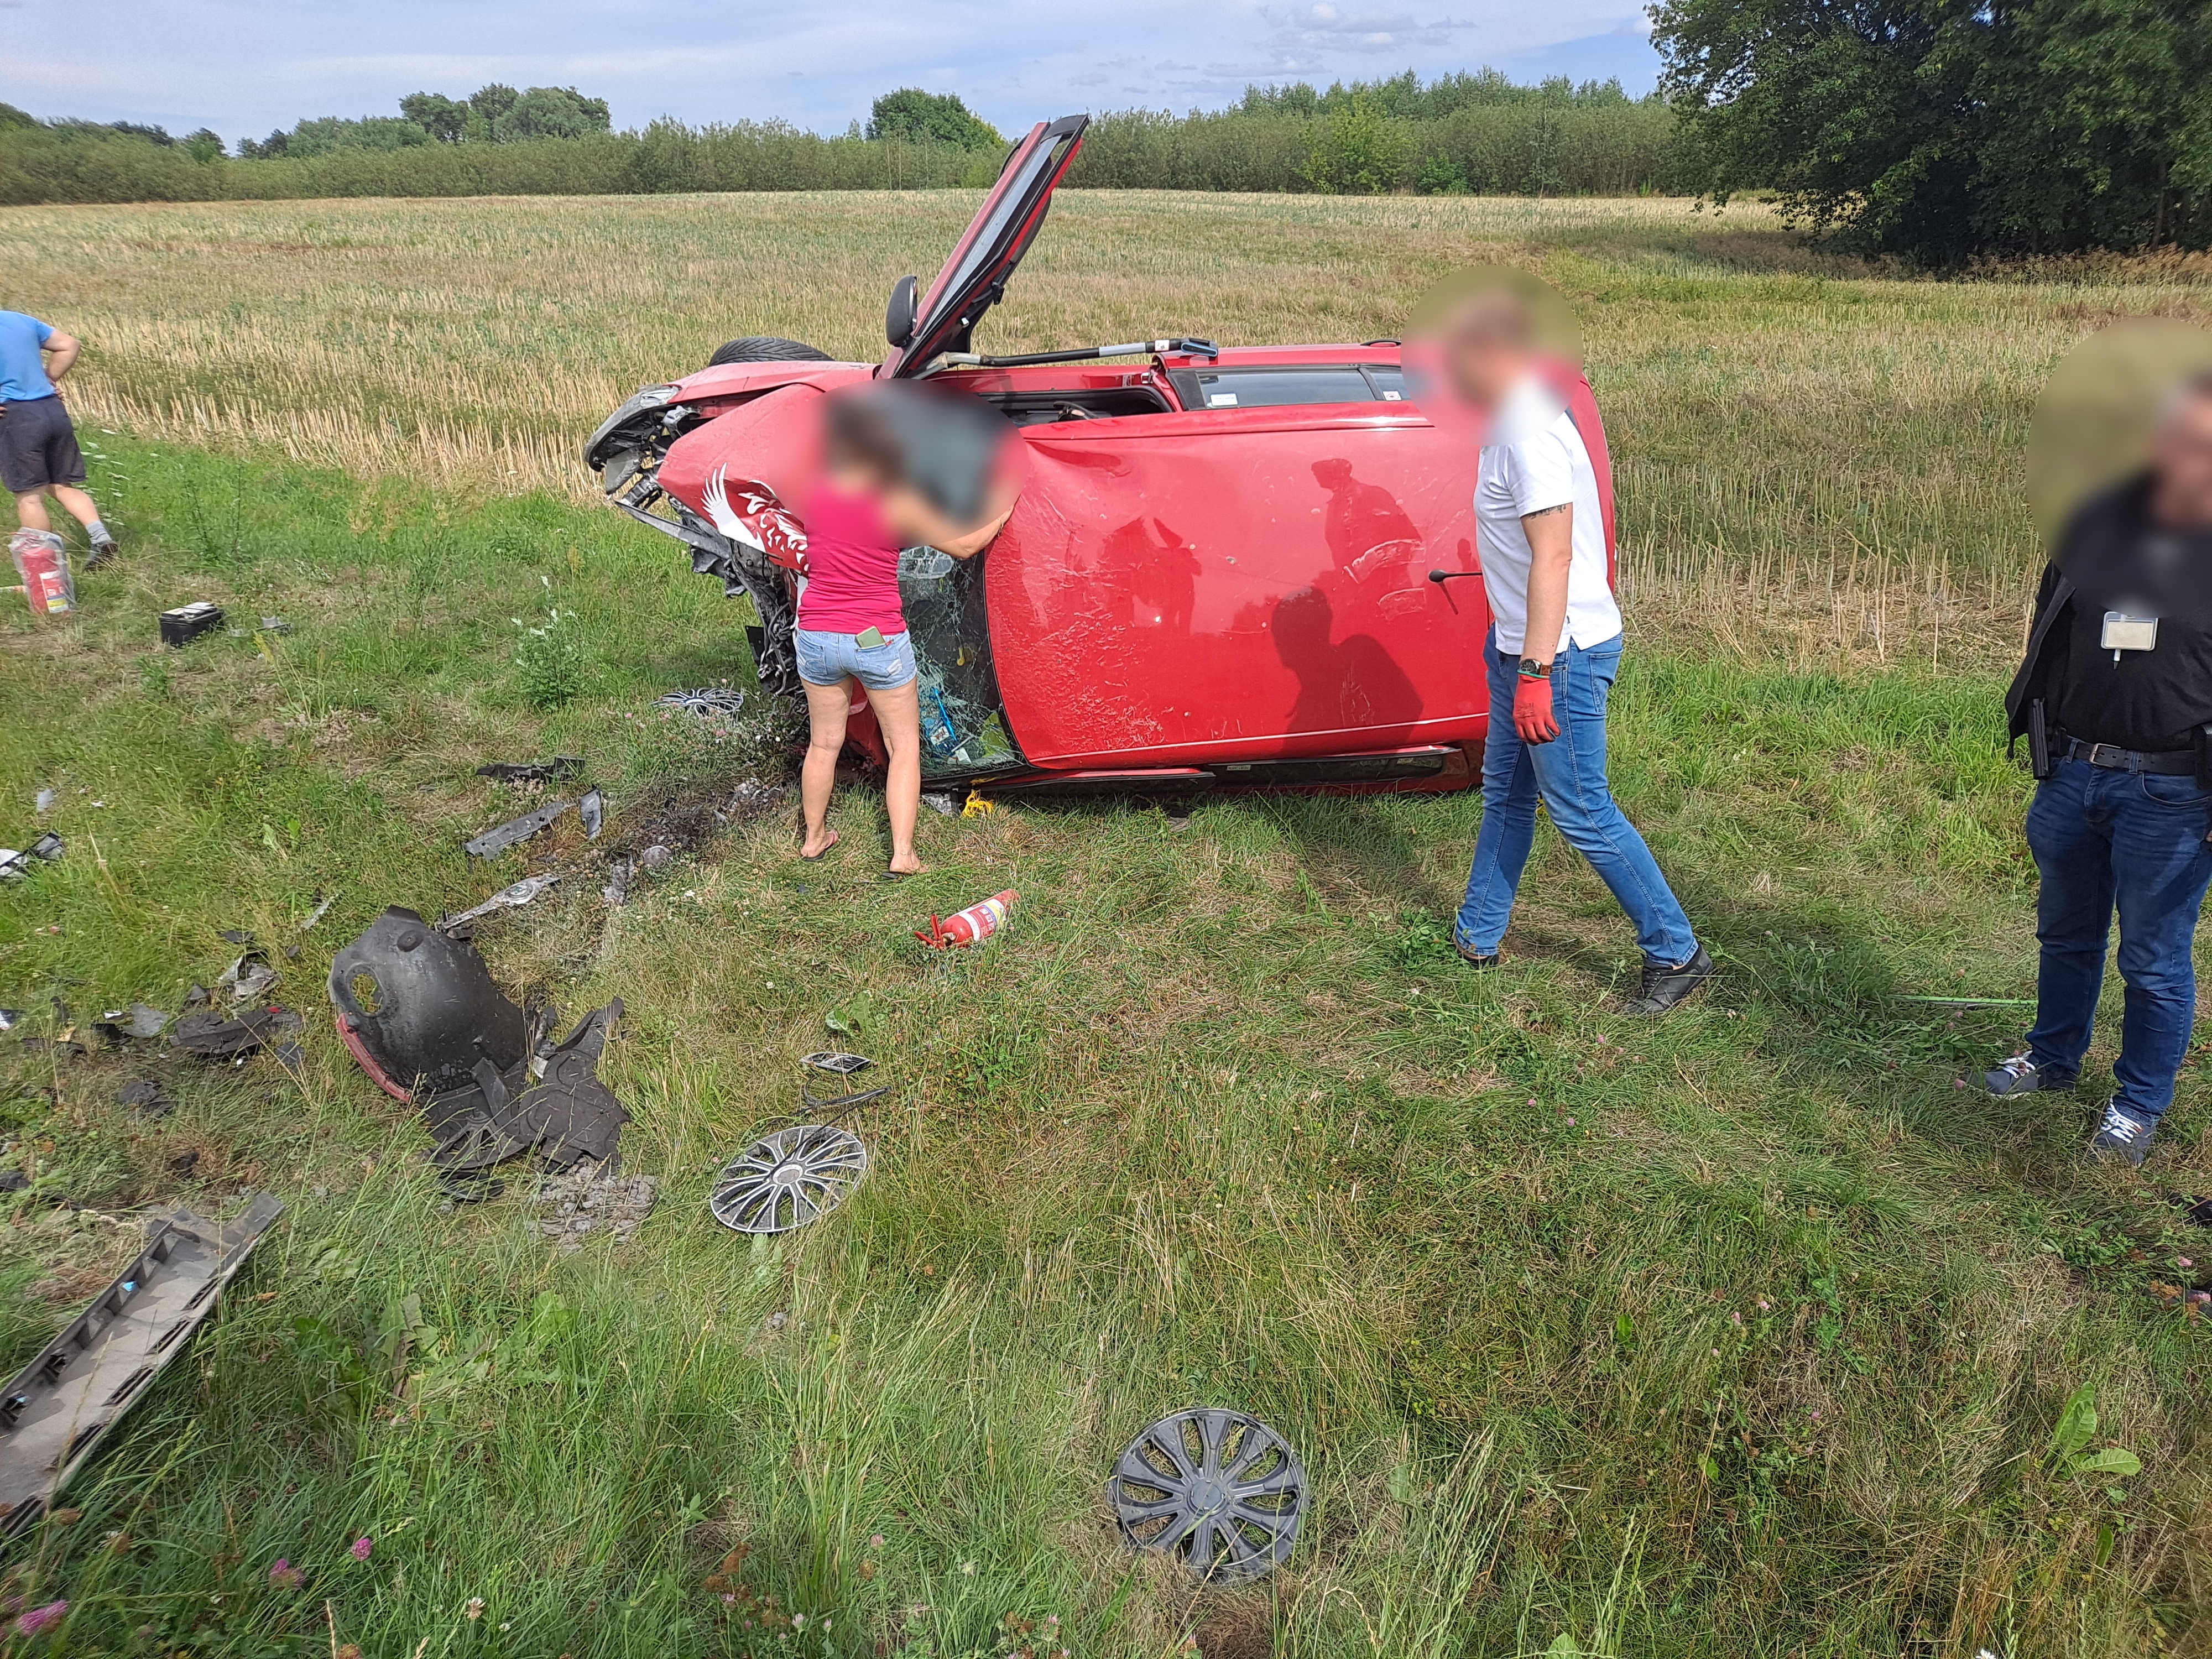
[[1487, 350], [2181, 458]]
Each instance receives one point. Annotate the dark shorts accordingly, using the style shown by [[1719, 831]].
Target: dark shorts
[[38, 446]]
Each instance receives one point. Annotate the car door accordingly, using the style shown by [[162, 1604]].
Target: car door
[[1244, 582]]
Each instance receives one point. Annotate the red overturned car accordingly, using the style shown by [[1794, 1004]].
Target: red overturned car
[[1229, 568]]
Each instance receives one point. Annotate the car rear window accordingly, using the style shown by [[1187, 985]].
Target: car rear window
[[1276, 388]]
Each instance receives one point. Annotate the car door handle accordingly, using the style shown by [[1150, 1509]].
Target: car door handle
[[1440, 577]]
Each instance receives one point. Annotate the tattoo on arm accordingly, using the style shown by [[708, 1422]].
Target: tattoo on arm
[[1546, 512]]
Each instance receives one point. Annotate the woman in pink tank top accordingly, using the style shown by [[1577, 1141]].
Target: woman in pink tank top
[[851, 626]]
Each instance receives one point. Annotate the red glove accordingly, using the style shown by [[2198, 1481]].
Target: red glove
[[1532, 710]]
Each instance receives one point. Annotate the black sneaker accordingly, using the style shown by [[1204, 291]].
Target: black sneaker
[[2121, 1135], [102, 550], [1474, 961], [1664, 987], [2020, 1075]]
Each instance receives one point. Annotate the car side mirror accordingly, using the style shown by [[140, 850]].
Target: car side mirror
[[899, 315]]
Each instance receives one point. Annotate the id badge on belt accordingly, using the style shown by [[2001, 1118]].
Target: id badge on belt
[[2123, 632]]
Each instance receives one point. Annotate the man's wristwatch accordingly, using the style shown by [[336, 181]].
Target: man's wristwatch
[[1532, 670]]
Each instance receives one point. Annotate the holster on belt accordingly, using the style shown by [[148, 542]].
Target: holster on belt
[[2038, 743]]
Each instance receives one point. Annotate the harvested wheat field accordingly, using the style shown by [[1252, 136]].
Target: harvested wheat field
[[1746, 1332]]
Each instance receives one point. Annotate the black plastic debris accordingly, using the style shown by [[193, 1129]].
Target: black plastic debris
[[418, 1009], [564, 1114], [843, 1065], [188, 622], [497, 839], [14, 1181], [10, 1018], [213, 1035], [471, 1187], [53, 1415], [2196, 1212], [139, 1020], [236, 935], [508, 898], [196, 997], [185, 1165], [60, 1048], [545, 771], [707, 701], [146, 1097], [1219, 1491]]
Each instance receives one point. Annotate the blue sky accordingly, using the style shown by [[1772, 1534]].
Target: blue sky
[[246, 66]]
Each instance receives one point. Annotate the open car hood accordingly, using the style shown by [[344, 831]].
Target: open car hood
[[974, 276]]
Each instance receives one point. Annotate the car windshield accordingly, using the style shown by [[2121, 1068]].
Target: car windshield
[[1273, 388]]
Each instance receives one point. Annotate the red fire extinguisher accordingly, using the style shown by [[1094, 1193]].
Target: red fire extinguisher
[[972, 925]]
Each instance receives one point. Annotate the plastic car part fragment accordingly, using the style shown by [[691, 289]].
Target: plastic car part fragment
[[508, 898], [55, 1412], [1219, 1491], [842, 1065], [418, 1008], [500, 837], [788, 1178], [565, 1115], [544, 771], [14, 865], [212, 1036]]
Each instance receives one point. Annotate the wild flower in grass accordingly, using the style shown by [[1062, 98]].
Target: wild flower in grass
[[361, 1548], [474, 1608], [877, 1542], [968, 1567], [31, 1623], [2183, 1261], [286, 1576], [799, 1621], [1736, 1318], [1765, 1306]]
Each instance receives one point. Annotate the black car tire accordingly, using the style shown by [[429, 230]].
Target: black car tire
[[767, 349]]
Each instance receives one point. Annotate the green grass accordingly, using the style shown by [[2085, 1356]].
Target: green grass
[[1217, 1120]]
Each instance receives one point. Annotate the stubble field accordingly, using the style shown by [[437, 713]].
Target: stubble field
[[1744, 1333]]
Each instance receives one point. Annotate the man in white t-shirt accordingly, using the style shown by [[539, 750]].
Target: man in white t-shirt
[[1551, 656]]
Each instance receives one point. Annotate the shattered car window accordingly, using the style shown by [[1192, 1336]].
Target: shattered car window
[[1276, 388], [964, 723]]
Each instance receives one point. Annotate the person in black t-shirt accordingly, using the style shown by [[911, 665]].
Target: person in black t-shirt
[[2115, 698]]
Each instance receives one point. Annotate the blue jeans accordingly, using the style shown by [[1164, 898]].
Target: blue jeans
[[2104, 838], [1569, 774]]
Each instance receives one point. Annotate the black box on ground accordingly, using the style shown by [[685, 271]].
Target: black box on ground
[[188, 621]]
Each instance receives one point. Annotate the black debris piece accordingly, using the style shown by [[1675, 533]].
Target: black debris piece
[[188, 622], [592, 808], [471, 1187], [545, 771], [54, 1413], [707, 701], [843, 1065], [212, 1036], [565, 1114], [418, 1009], [236, 935], [2196, 1210], [60, 1048], [196, 997], [14, 1181], [497, 839], [146, 1097], [10, 1018], [290, 1055], [184, 1166]]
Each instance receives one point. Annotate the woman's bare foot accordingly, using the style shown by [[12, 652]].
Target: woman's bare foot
[[910, 865], [812, 849]]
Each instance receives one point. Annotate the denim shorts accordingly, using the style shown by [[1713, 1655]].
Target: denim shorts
[[830, 658]]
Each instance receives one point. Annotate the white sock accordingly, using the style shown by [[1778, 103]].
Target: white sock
[[97, 532]]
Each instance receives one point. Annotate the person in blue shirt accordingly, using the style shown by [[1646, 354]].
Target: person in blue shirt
[[39, 456]]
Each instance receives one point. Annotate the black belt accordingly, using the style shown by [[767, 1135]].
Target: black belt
[[2166, 763]]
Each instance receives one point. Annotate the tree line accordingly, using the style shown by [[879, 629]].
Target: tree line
[[1458, 134]]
